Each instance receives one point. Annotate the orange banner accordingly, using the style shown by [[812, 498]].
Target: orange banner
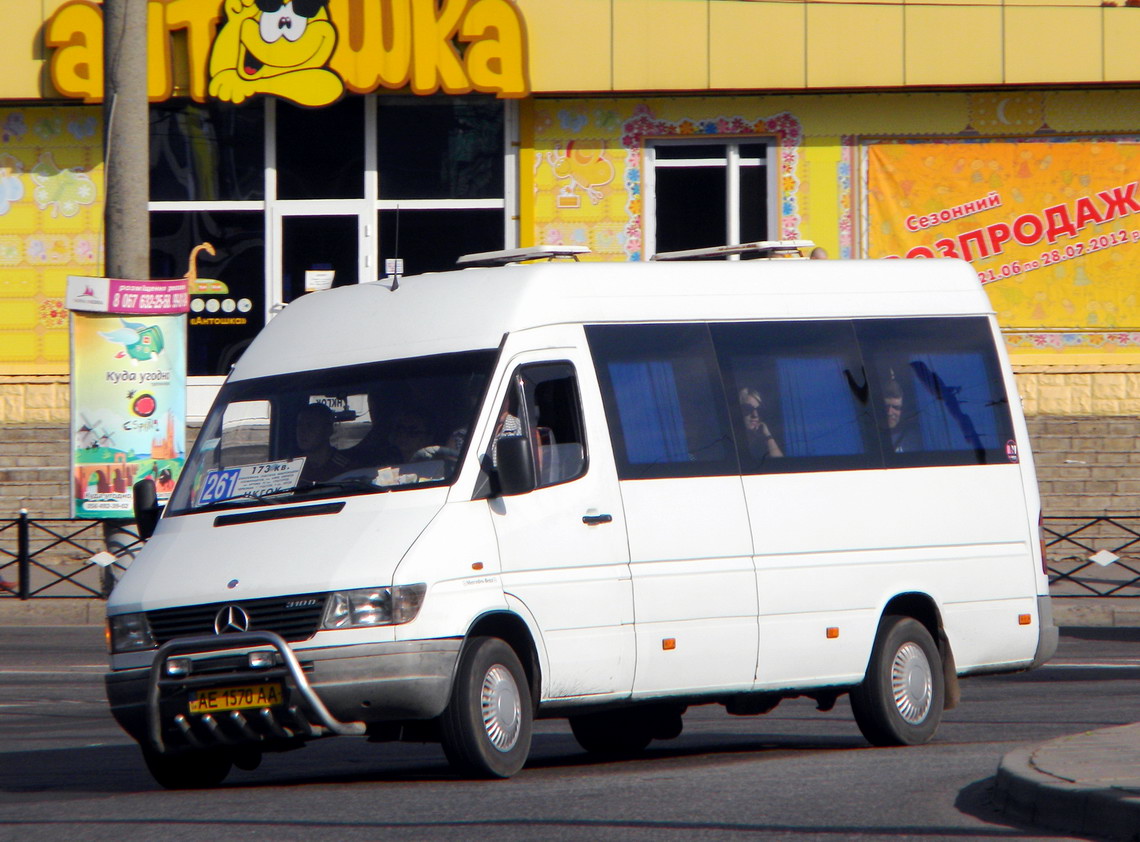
[[1051, 225]]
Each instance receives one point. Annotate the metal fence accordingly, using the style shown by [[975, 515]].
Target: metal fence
[[59, 558], [1093, 556]]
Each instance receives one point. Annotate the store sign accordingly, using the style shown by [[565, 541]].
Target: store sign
[[308, 51]]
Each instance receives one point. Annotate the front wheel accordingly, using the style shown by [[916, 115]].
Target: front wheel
[[486, 727], [901, 698]]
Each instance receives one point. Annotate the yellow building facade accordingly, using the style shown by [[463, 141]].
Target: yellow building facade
[[1006, 133]]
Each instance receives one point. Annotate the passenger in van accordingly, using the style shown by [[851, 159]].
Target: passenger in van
[[410, 434], [508, 425], [313, 433], [904, 435], [375, 449], [761, 442]]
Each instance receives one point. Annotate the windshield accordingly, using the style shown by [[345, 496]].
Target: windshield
[[354, 430]]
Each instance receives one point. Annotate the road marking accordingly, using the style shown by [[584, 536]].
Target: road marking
[[1119, 665]]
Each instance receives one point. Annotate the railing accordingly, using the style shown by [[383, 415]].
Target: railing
[[48, 558], [53, 558], [1093, 557]]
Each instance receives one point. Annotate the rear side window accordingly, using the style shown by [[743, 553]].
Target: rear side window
[[938, 391], [801, 395], [664, 400]]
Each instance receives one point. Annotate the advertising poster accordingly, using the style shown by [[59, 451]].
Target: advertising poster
[[1052, 225], [128, 406]]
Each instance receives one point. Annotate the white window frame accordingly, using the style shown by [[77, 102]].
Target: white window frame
[[732, 163]]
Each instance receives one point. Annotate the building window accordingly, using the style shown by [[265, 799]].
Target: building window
[[292, 200], [708, 193]]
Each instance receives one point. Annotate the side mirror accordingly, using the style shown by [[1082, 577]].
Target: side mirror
[[147, 510], [515, 465]]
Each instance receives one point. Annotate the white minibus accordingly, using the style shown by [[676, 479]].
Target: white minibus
[[438, 508]]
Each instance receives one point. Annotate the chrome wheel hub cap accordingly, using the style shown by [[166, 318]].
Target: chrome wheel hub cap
[[502, 708], [911, 683]]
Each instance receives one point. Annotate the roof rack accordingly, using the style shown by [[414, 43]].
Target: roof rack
[[765, 248], [505, 256]]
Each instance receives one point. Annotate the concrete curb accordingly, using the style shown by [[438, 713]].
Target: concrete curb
[[45, 611], [1027, 794]]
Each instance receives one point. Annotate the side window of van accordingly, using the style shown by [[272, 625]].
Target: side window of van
[[544, 405], [664, 400], [938, 391], [801, 395]]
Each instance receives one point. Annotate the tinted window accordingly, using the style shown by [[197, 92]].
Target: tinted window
[[938, 391], [362, 429], [800, 395], [664, 401]]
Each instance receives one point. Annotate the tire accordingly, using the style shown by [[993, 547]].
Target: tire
[[191, 770], [626, 732], [901, 699], [486, 728]]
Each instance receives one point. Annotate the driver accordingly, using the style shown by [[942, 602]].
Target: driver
[[314, 429]]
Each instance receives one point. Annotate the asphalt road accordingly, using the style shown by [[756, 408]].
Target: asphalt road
[[67, 772]]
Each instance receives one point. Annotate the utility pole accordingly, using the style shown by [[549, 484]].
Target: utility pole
[[126, 160], [126, 168]]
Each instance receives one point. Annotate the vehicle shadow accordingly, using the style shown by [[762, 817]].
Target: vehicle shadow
[[34, 776], [976, 800]]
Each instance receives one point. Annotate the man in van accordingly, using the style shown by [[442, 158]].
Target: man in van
[[903, 433]]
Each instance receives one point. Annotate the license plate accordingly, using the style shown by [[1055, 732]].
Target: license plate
[[236, 698]]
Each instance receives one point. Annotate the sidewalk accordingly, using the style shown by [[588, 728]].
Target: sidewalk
[[1085, 783]]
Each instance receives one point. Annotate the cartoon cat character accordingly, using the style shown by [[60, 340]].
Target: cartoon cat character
[[277, 47]]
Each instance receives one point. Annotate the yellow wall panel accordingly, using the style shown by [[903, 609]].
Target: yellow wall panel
[[1121, 35], [1065, 3], [953, 44], [569, 45], [660, 44], [1053, 45], [854, 46], [18, 283], [18, 315], [1099, 110], [20, 348], [56, 347], [757, 45]]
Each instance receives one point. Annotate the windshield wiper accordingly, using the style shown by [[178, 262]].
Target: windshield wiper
[[354, 484]]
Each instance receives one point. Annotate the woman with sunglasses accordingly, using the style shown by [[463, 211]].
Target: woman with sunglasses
[[761, 442]]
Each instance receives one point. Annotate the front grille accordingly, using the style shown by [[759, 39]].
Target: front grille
[[295, 617]]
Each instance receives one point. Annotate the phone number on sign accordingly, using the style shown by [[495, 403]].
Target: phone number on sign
[[1059, 255]]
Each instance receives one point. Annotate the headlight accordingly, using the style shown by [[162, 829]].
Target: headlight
[[129, 633], [373, 607]]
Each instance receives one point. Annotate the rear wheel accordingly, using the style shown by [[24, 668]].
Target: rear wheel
[[191, 770], [486, 728], [901, 699]]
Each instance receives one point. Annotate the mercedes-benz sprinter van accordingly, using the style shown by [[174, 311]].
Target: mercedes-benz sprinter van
[[440, 508]]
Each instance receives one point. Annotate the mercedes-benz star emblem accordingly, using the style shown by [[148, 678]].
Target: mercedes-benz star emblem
[[232, 618]]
